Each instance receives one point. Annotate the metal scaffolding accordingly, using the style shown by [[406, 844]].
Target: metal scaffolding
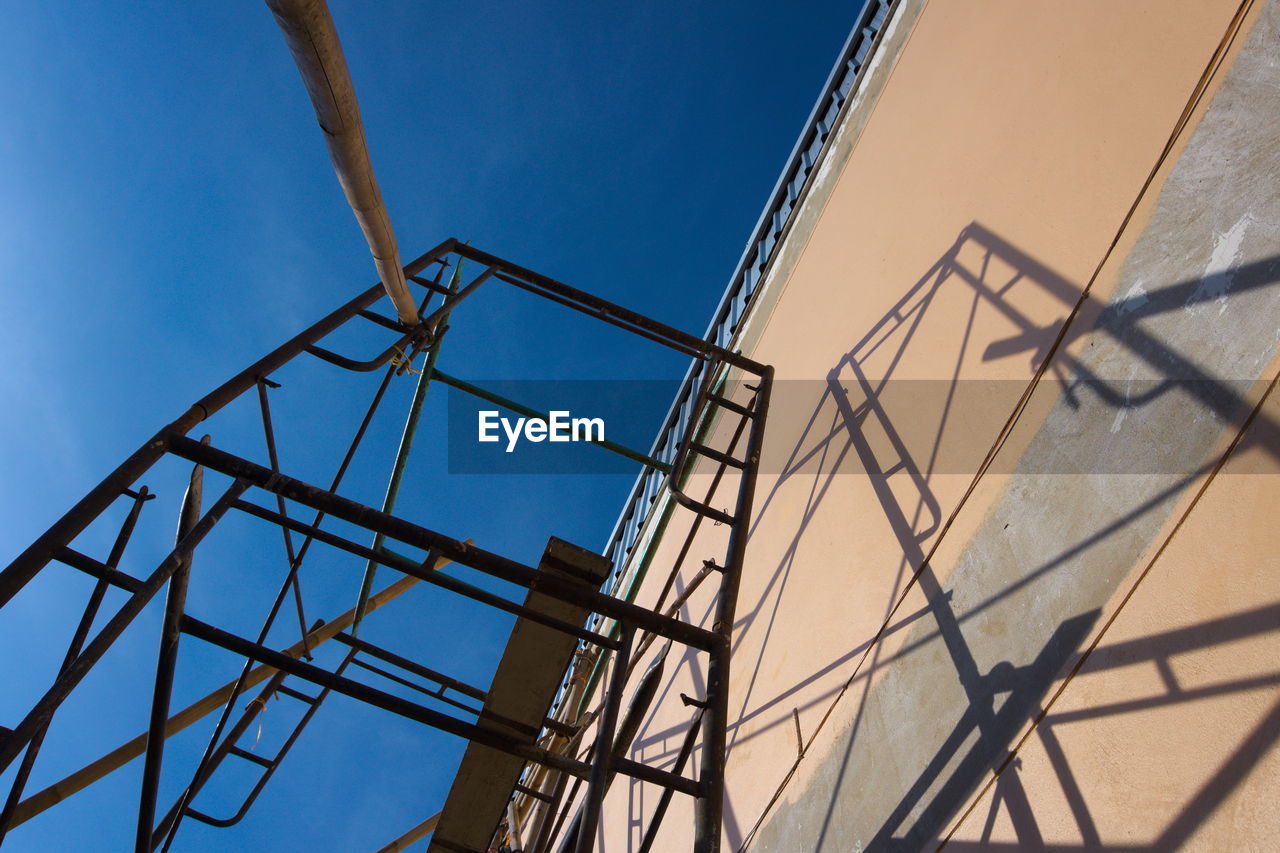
[[522, 753]]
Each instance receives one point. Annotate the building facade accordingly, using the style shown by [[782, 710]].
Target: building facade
[[1011, 578]]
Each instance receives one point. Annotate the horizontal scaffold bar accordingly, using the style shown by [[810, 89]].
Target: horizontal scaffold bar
[[427, 716], [495, 565], [423, 572]]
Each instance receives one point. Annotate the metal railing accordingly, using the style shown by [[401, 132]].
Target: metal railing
[[791, 187]]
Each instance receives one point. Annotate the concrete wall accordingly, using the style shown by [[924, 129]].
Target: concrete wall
[[1011, 577]]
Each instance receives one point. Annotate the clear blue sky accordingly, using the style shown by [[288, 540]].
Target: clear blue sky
[[170, 214]]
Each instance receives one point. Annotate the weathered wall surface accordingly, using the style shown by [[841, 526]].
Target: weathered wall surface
[[901, 632], [1165, 738]]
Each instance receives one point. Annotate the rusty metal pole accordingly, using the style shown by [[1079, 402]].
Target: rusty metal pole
[[73, 650], [39, 715], [122, 755], [709, 811], [603, 754], [167, 662], [37, 555]]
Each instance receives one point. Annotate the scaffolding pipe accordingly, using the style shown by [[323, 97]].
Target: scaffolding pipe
[[123, 754], [406, 444], [313, 40]]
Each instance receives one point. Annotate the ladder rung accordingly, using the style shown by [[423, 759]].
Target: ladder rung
[[726, 403], [537, 795], [711, 453], [385, 322], [200, 816], [434, 287], [702, 509], [297, 694], [250, 756]]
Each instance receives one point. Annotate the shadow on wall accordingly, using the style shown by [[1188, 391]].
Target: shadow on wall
[[851, 428]]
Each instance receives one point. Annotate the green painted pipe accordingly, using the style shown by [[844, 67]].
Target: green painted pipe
[[402, 453]]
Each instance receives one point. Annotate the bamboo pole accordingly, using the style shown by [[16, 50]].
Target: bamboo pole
[[412, 835], [313, 40], [123, 754]]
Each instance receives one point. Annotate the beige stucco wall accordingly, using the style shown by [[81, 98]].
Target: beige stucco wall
[[1166, 736], [996, 165]]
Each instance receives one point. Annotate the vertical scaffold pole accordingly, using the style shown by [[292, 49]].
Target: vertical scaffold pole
[[709, 811], [167, 662]]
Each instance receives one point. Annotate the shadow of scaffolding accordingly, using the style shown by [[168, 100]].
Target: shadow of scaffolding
[[865, 434]]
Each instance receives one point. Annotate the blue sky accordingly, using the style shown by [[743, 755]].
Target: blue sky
[[170, 214]]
